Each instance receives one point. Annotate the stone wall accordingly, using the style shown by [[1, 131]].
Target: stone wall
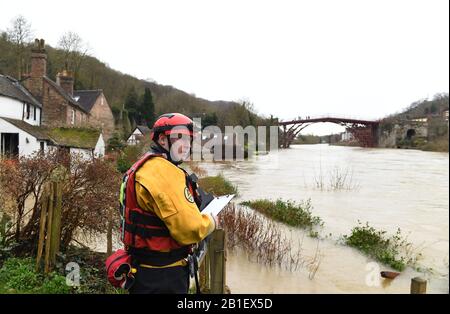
[[390, 137]]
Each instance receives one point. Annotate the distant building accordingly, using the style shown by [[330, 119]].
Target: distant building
[[347, 136], [138, 134], [423, 119]]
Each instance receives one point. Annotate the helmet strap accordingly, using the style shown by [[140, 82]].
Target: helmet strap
[[167, 152]]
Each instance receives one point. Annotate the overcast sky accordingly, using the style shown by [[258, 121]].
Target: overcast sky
[[289, 58]]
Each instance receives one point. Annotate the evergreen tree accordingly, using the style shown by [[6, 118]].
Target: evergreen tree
[[131, 104], [147, 109], [126, 124], [209, 119]]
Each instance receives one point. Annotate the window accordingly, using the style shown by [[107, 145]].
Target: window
[[28, 112], [34, 113], [42, 146], [72, 121]]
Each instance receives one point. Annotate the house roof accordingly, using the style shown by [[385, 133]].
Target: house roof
[[64, 94], [36, 131], [87, 98], [75, 137], [85, 138], [144, 129], [10, 87]]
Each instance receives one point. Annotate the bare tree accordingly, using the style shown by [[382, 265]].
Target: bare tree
[[20, 34], [74, 50]]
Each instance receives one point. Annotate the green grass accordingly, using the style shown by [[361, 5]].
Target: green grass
[[217, 185], [17, 275], [391, 250], [288, 212]]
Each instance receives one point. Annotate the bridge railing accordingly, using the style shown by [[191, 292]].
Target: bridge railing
[[331, 115]]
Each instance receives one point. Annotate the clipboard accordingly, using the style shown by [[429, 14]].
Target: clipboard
[[217, 204]]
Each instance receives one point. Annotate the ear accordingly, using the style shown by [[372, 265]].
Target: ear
[[162, 140]]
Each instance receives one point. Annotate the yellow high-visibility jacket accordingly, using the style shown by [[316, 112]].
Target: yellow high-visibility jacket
[[161, 189]]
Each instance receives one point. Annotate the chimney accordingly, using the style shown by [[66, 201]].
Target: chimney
[[34, 80], [65, 80], [38, 59]]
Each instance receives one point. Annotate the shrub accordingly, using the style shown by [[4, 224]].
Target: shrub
[[123, 165], [89, 189], [288, 212], [393, 250], [129, 155], [217, 185]]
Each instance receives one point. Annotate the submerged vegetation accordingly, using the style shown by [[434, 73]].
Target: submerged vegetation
[[263, 240], [392, 250], [217, 185], [337, 179], [289, 212]]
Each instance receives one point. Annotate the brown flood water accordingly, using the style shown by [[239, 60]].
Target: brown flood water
[[388, 188]]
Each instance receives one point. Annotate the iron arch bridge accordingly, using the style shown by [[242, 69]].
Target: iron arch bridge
[[364, 131]]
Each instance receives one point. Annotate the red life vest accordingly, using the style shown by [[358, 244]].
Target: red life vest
[[144, 234]]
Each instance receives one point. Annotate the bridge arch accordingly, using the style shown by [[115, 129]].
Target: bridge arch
[[364, 131], [410, 134]]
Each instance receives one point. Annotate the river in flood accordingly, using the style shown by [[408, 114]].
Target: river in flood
[[389, 188]]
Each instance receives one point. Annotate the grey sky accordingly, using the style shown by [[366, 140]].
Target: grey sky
[[290, 58]]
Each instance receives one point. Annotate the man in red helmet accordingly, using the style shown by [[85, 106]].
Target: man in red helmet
[[162, 221]]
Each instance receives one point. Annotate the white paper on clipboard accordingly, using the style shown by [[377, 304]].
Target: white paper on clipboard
[[217, 204]]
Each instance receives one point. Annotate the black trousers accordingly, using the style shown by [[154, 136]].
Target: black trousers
[[161, 280]]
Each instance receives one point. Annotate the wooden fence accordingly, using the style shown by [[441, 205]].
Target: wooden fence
[[50, 225], [212, 267]]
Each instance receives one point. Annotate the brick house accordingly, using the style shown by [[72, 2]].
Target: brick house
[[59, 107], [94, 102], [62, 106]]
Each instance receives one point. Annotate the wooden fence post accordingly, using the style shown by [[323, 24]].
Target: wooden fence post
[[56, 222], [49, 230], [109, 232], [217, 261], [42, 221], [418, 286], [205, 286]]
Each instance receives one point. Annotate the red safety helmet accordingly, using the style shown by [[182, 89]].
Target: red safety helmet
[[172, 123]]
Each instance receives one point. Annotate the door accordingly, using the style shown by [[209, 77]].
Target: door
[[10, 145]]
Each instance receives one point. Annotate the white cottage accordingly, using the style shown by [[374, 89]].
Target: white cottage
[[21, 132], [139, 132]]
